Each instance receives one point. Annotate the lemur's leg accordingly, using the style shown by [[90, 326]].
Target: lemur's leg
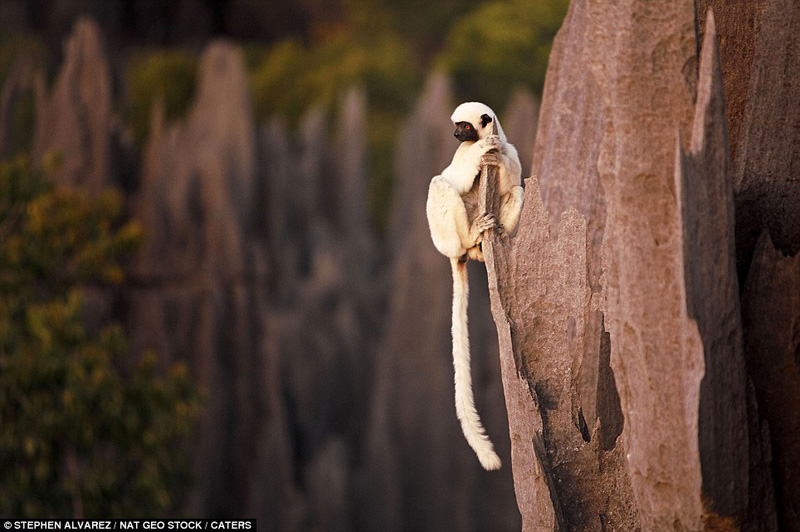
[[510, 209], [447, 218]]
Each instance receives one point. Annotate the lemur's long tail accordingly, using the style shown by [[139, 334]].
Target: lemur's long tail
[[465, 403]]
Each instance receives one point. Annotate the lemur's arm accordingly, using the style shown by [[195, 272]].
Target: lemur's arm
[[466, 164], [451, 231]]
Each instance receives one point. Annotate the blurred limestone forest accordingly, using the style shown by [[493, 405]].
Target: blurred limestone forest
[[219, 297], [298, 55]]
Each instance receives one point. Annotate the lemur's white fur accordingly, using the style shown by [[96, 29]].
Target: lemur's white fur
[[457, 232]]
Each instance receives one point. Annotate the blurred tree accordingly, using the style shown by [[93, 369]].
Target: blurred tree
[[13, 46], [270, 20], [423, 25], [502, 45], [84, 431], [289, 78], [20, 57], [167, 74]]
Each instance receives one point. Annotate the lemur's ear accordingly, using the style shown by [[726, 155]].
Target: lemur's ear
[[485, 119]]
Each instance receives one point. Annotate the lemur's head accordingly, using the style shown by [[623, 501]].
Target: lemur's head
[[473, 122]]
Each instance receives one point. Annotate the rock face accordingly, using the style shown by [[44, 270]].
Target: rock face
[[626, 254], [760, 62], [656, 349], [761, 66], [75, 120], [760, 72], [770, 315], [705, 197], [565, 163]]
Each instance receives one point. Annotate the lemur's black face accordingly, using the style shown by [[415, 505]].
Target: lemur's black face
[[465, 131]]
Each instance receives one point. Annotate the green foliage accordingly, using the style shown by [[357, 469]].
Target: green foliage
[[169, 75], [422, 25], [276, 81], [22, 121], [288, 78], [84, 430], [501, 45], [58, 237], [21, 48], [15, 46]]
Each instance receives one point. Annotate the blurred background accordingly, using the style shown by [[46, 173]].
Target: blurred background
[[219, 295]]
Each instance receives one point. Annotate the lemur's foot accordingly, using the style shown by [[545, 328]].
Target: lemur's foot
[[476, 253], [484, 222], [501, 236]]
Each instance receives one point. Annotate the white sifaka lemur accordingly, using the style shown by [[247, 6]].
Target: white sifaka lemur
[[457, 232]]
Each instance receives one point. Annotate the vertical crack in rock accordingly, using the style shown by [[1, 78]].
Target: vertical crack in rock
[[705, 193], [761, 65], [760, 61], [609, 412], [768, 160], [771, 319]]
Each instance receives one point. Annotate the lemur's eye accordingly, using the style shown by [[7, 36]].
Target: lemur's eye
[[468, 126]]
